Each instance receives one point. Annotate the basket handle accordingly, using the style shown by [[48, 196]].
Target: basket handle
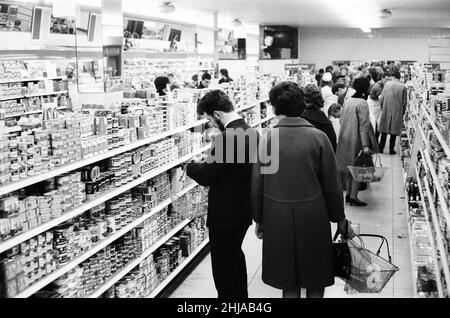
[[383, 239]]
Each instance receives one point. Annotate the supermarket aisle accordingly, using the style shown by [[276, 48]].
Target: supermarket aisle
[[385, 215]]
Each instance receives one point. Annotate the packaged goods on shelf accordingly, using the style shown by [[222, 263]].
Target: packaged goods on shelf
[[143, 71], [72, 137], [422, 249], [156, 268], [91, 182], [252, 116], [25, 69], [94, 272]]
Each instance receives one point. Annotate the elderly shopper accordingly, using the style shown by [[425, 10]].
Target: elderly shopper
[[356, 135], [293, 206], [327, 94]]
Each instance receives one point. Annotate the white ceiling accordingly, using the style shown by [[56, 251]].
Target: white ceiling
[[329, 13]]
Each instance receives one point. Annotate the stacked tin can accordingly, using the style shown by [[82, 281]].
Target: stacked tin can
[[155, 190], [73, 190], [43, 148]]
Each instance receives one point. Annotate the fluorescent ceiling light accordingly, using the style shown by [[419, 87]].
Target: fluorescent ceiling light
[[366, 29], [362, 14]]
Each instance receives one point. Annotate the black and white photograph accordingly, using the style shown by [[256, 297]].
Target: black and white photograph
[[220, 157]]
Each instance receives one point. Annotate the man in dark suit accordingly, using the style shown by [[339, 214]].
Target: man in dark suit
[[229, 205]]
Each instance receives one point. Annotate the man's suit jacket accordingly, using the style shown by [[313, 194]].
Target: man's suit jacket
[[229, 201]]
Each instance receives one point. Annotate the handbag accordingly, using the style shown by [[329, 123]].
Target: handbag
[[342, 256], [363, 160]]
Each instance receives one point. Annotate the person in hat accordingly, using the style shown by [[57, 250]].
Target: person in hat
[[315, 116], [327, 94]]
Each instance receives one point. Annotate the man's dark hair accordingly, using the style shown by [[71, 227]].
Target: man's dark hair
[[161, 83], [206, 76], [215, 100], [194, 77], [224, 72], [288, 99], [329, 69], [337, 86], [321, 71]]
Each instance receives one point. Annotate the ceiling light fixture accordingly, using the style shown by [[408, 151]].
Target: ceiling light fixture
[[385, 14], [366, 29], [167, 7], [236, 22]]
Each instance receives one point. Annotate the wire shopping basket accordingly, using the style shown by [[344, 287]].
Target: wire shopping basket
[[191, 204], [368, 174], [369, 271]]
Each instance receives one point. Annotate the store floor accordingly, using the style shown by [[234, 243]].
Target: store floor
[[385, 215]]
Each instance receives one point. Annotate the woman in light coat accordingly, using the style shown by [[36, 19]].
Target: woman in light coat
[[356, 134], [393, 100], [294, 204]]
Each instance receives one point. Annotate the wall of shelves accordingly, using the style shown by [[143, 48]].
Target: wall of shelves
[[425, 160]]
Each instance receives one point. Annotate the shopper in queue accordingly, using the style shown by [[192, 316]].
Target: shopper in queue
[[161, 85], [224, 77], [374, 101], [319, 76], [393, 101], [327, 94], [229, 200], [356, 134], [205, 81], [294, 206], [343, 92], [314, 115], [194, 81]]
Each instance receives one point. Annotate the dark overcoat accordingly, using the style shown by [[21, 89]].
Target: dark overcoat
[[296, 204]]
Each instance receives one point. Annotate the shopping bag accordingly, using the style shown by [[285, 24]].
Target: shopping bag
[[342, 256], [369, 271]]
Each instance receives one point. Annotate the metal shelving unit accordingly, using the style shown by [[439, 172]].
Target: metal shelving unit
[[125, 270], [432, 243], [85, 162], [101, 245], [91, 204], [178, 270]]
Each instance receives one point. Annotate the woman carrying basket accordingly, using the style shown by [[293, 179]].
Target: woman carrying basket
[[356, 135]]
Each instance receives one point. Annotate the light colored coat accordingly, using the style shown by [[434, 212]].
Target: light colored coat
[[356, 133], [296, 204], [393, 101]]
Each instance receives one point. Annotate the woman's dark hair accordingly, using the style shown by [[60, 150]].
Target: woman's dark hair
[[206, 76], [313, 96], [160, 84], [337, 86], [215, 100], [329, 69], [361, 86], [224, 72], [396, 73], [287, 98]]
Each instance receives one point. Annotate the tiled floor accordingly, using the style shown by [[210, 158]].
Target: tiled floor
[[385, 214]]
